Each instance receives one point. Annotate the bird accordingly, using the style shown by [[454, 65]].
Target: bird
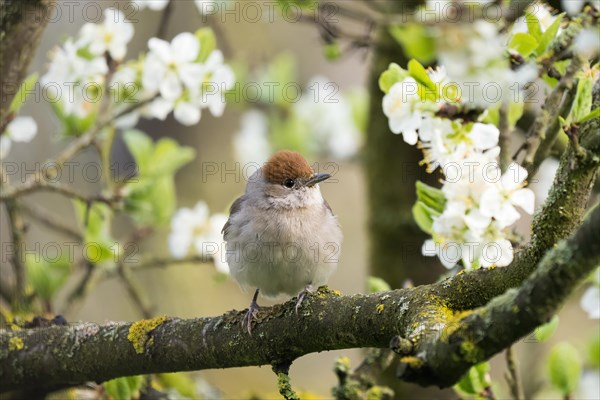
[[281, 236]]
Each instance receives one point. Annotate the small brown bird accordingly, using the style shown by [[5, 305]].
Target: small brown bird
[[282, 237]]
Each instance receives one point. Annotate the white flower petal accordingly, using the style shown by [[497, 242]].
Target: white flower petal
[[490, 203], [185, 47], [506, 215], [590, 302], [160, 108], [484, 136], [161, 48], [186, 113], [514, 176], [411, 137], [170, 87], [524, 198], [179, 244], [5, 144], [22, 129]]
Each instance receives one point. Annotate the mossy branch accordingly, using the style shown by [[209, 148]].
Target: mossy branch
[[445, 343]]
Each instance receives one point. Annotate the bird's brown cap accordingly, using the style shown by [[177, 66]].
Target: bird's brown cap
[[286, 164]]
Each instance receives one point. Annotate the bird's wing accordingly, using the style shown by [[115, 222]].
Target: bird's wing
[[235, 208], [328, 206]]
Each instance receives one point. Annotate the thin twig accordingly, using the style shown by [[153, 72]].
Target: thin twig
[[165, 262], [134, 290], [50, 220], [164, 20], [33, 186], [505, 135], [513, 378]]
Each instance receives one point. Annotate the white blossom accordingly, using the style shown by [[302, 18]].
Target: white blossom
[[589, 385], [71, 77], [590, 301], [20, 129], [251, 142], [184, 84], [404, 108], [196, 229], [218, 78], [587, 42], [112, 36], [500, 199], [329, 120], [573, 7], [170, 68]]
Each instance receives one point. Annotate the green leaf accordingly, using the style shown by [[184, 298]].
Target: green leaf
[[515, 112], [169, 156], [544, 332], [392, 75], [582, 105], [564, 366], [24, 90], [594, 351], [332, 51], [98, 245], [180, 381], [533, 25], [208, 42], [417, 71], [549, 35], [523, 43], [47, 275], [151, 201], [423, 216], [416, 41], [432, 197], [590, 116], [375, 284], [302, 4], [474, 381], [118, 389], [141, 148]]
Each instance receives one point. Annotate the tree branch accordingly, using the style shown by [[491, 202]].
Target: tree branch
[[449, 350], [21, 26], [446, 343]]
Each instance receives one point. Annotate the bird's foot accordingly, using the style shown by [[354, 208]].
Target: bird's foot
[[308, 289], [251, 314]]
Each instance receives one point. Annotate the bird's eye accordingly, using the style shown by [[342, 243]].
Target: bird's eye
[[289, 183]]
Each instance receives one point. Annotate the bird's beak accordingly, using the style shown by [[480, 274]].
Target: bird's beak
[[316, 179]]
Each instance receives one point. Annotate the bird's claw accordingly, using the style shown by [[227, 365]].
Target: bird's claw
[[302, 295], [251, 314]]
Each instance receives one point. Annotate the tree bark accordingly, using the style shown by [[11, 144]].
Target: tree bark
[[22, 23]]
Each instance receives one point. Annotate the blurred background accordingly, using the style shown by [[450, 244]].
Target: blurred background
[[252, 46]]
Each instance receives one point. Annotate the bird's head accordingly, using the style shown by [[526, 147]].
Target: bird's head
[[288, 181]]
